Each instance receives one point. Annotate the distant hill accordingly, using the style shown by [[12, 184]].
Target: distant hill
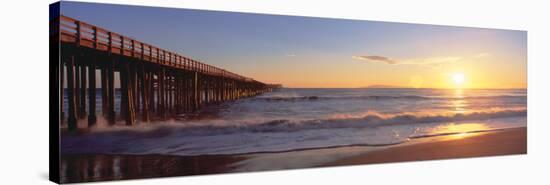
[[383, 86]]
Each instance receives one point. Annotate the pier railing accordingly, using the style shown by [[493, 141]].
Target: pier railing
[[88, 35]]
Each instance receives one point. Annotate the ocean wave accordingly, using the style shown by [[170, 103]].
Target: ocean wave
[[374, 119], [381, 97], [368, 119], [175, 138]]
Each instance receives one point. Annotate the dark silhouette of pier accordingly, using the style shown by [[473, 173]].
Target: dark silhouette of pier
[[154, 83]]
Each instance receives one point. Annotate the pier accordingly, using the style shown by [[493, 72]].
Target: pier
[[155, 84]]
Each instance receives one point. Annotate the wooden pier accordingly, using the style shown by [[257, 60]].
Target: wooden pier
[[154, 83]]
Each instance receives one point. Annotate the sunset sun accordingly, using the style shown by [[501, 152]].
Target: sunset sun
[[458, 78]]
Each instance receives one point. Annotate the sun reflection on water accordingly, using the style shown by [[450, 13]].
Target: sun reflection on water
[[458, 104], [462, 127], [458, 131], [460, 135]]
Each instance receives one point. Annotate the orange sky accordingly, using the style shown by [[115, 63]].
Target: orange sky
[[319, 52]]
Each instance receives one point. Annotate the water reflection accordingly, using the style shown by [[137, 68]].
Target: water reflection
[[458, 93], [90, 167], [457, 131], [461, 135], [75, 169], [458, 104]]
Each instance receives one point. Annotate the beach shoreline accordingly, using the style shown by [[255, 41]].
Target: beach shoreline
[[101, 167], [494, 143]]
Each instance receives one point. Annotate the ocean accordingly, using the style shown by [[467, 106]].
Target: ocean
[[290, 119]]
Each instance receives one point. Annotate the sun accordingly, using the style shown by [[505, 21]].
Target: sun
[[458, 78]]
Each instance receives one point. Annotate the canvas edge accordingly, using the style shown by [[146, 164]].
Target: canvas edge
[[54, 113]]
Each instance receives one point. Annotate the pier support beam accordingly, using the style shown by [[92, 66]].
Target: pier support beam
[[111, 93], [91, 94], [83, 76], [61, 91], [144, 81], [104, 91], [71, 122], [151, 91], [77, 85], [162, 94], [127, 97], [195, 90]]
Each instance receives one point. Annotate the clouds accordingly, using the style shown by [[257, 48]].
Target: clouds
[[374, 58], [428, 61], [433, 61]]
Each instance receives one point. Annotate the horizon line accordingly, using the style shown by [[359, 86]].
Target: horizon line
[[399, 88]]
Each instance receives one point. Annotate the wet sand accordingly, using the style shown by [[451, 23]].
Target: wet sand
[[503, 142], [101, 167]]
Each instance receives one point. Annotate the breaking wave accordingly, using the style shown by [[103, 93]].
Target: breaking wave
[[369, 119]]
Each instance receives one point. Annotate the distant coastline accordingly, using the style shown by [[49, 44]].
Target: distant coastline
[[402, 87], [385, 87]]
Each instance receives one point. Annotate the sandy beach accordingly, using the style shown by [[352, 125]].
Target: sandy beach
[[503, 142], [100, 167]]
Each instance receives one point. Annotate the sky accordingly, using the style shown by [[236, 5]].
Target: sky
[[312, 52]]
